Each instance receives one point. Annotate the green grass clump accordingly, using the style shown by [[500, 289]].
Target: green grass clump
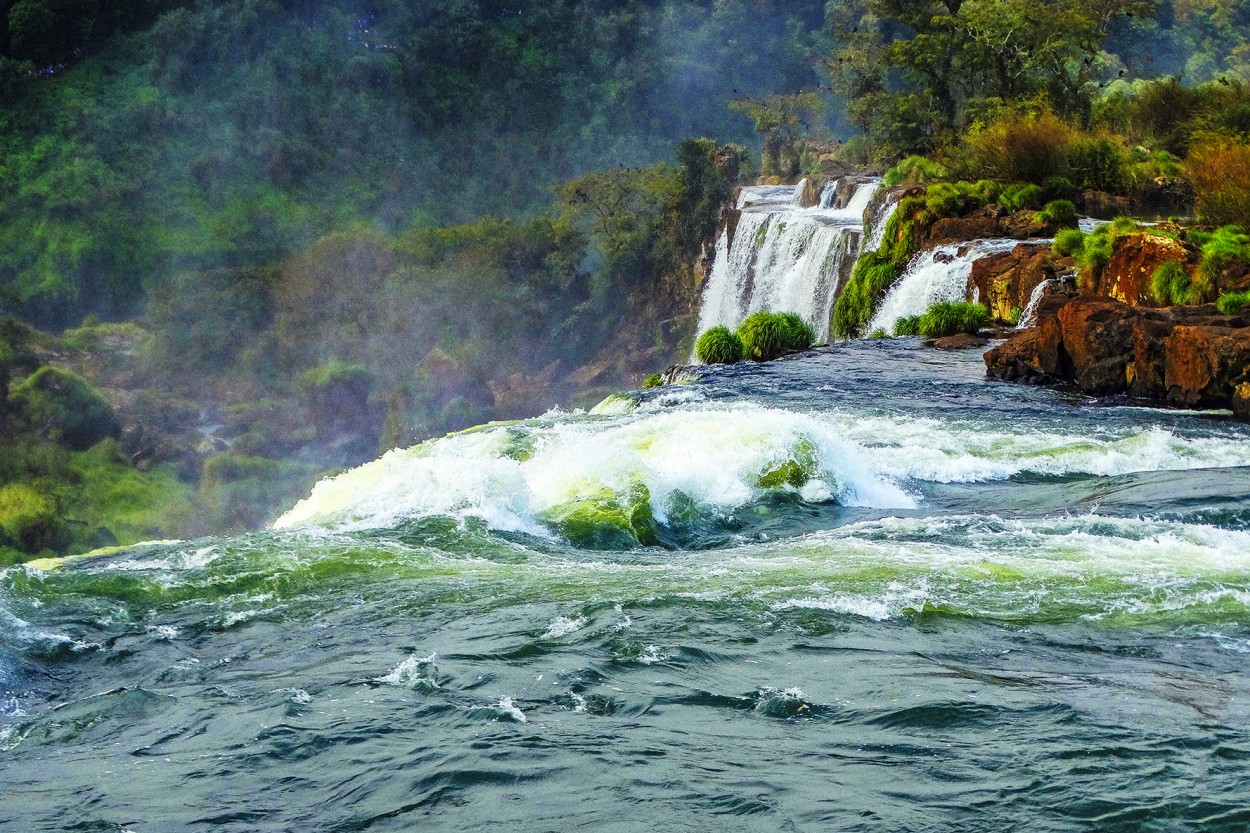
[[1170, 284], [946, 318], [799, 335], [1013, 316], [1096, 252], [719, 346], [1018, 196], [1224, 246], [1232, 302], [652, 381], [878, 333], [1058, 187], [1060, 213], [908, 325], [1069, 242], [916, 169], [764, 336]]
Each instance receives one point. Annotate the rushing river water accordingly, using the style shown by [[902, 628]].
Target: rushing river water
[[884, 594]]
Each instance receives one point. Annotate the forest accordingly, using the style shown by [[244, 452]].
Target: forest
[[245, 243]]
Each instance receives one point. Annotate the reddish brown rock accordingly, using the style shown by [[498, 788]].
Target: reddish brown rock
[[1134, 258], [1004, 282], [1190, 356], [982, 223], [960, 341]]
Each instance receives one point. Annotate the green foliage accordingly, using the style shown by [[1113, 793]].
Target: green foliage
[[1019, 196], [878, 333], [1170, 284], [1220, 173], [765, 336], [1013, 316], [798, 334], [947, 318], [908, 325], [874, 274], [915, 169], [1097, 247], [1231, 303], [1014, 147], [719, 345], [30, 520], [1225, 246], [1068, 242], [1096, 162], [1058, 188], [1060, 213], [64, 407], [653, 381], [132, 505]]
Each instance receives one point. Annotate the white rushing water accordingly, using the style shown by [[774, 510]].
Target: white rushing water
[[784, 258], [933, 276], [1029, 316]]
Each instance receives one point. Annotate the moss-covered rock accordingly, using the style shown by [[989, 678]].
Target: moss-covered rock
[[795, 470], [30, 521], [607, 520], [64, 407]]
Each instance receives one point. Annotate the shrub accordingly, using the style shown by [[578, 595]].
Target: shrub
[[764, 336], [1018, 197], [1069, 242], [1170, 284], [1220, 173], [1013, 316], [1232, 302], [916, 169], [799, 335], [1058, 187], [1061, 213], [719, 346], [908, 325], [1097, 163], [652, 381], [1224, 246], [947, 318], [878, 333], [66, 406], [1021, 148]]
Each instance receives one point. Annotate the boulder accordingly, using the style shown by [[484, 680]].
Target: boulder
[[1035, 356], [960, 341], [1134, 258], [1204, 365], [1098, 336], [983, 223], [1005, 281]]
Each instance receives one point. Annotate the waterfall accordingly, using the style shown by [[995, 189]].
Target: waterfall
[[876, 228], [784, 258], [1029, 317], [829, 194], [937, 275]]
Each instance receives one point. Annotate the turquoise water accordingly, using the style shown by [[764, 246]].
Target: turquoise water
[[865, 589]]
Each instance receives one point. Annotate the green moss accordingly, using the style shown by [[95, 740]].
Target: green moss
[[1232, 302], [606, 520], [914, 169], [334, 372], [65, 407], [655, 380], [1013, 316], [946, 318], [798, 468], [1069, 242], [719, 346], [1170, 284], [30, 521]]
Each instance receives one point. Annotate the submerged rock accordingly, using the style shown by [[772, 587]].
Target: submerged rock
[[960, 341], [1188, 356]]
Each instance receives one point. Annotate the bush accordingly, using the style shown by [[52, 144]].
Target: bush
[[1224, 246], [1069, 242], [719, 346], [1059, 188], [1018, 197], [764, 336], [916, 169], [908, 325], [1170, 284], [1097, 163], [1232, 302], [799, 335], [66, 406], [652, 381], [947, 318], [1021, 148], [1060, 213], [1220, 173]]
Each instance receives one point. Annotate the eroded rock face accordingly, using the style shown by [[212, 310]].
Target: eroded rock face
[[1006, 281], [982, 223], [1134, 258], [1190, 356]]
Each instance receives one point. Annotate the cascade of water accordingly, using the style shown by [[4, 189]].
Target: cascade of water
[[829, 194], [880, 219], [797, 199], [783, 258], [1029, 317], [937, 275]]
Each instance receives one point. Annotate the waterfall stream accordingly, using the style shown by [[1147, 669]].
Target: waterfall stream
[[783, 257]]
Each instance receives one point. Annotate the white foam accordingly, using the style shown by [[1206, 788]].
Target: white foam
[[509, 708], [413, 670], [563, 626]]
